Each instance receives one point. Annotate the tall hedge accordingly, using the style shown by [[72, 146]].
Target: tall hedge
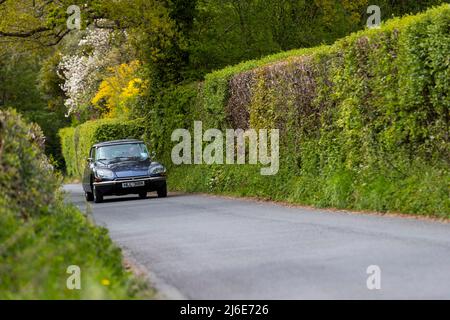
[[77, 141], [364, 123]]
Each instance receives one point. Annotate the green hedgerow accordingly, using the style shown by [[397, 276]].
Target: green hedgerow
[[77, 141], [364, 122]]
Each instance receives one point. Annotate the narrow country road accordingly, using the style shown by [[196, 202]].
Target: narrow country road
[[216, 248]]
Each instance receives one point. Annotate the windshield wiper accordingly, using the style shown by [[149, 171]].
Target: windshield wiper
[[116, 159], [109, 160]]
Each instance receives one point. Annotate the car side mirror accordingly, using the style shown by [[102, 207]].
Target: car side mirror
[[89, 159]]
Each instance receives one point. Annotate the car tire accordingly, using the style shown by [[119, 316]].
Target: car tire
[[143, 195], [98, 196], [162, 192], [89, 196]]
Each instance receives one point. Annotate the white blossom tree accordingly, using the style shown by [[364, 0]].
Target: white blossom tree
[[82, 70]]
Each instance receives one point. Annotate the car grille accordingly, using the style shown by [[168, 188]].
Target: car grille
[[131, 178]]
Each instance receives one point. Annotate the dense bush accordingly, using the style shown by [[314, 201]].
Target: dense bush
[[26, 181], [77, 141], [40, 236], [364, 122]]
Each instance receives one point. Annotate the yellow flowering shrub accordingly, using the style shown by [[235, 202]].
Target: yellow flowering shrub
[[117, 92]]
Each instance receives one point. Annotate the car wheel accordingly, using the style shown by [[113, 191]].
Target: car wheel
[[98, 197], [143, 195], [89, 196], [162, 192]]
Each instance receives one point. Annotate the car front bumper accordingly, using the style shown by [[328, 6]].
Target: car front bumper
[[115, 187]]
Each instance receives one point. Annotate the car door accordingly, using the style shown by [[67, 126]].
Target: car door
[[88, 171]]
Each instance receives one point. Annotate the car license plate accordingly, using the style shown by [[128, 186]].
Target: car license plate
[[133, 184]]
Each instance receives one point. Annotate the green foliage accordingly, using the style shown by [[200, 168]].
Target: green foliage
[[363, 123], [171, 110], [41, 236], [18, 76], [226, 32], [34, 257], [77, 141], [178, 41], [26, 181], [68, 143]]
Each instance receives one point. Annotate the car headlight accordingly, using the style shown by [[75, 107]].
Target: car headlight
[[105, 174], [158, 169]]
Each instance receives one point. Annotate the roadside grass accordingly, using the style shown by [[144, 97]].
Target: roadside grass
[[422, 193], [41, 235], [71, 180], [35, 255]]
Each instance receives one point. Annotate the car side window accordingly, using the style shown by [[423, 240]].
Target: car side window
[[92, 153]]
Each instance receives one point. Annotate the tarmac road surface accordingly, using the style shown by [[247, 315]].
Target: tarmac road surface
[[205, 247]]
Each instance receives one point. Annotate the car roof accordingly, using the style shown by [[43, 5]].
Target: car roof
[[116, 142]]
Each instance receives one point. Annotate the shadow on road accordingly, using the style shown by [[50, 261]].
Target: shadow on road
[[135, 197]]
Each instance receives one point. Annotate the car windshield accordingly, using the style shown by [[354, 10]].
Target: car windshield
[[122, 152]]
